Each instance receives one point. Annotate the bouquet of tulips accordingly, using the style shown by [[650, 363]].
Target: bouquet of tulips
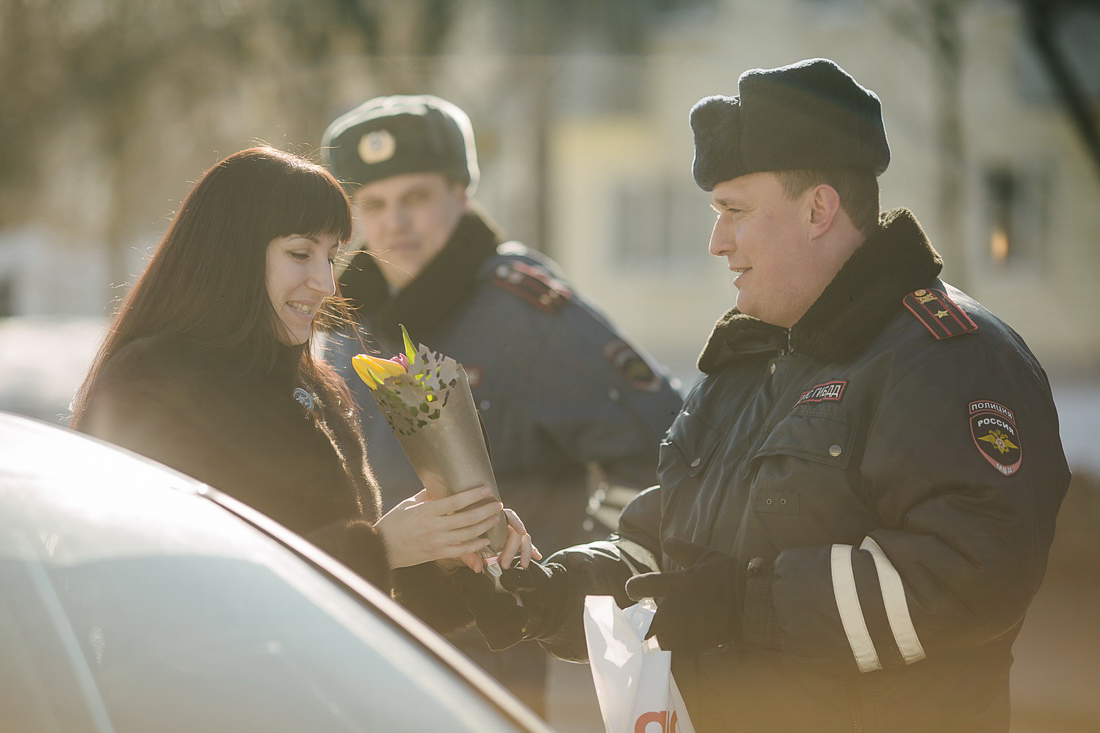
[[427, 402]]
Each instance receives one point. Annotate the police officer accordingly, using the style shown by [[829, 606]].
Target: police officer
[[562, 393], [857, 500]]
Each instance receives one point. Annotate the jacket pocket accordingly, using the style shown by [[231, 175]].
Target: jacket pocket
[[817, 438], [693, 442], [789, 462]]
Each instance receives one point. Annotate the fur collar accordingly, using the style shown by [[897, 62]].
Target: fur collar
[[425, 303], [856, 305]]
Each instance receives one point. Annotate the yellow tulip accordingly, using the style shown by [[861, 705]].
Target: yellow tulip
[[374, 371]]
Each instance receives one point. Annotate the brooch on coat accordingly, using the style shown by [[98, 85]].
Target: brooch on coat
[[305, 399]]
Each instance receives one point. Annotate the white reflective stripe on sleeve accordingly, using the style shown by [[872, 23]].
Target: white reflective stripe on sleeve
[[851, 613], [897, 610], [635, 555]]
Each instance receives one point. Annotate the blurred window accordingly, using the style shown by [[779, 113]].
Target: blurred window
[[660, 224], [679, 6], [1015, 216], [7, 297]]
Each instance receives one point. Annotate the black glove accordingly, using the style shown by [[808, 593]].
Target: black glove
[[544, 592], [701, 606], [498, 616]]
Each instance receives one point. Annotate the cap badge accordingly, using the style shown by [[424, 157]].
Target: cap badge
[[377, 146]]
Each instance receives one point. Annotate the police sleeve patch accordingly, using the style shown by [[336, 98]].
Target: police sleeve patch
[[631, 366], [533, 284], [993, 428], [938, 313]]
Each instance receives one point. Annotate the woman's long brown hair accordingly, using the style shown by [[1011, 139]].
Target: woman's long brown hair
[[206, 280]]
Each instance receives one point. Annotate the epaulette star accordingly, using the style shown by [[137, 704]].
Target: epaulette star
[[938, 313]]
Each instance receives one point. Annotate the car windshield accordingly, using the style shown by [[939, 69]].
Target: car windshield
[[162, 611]]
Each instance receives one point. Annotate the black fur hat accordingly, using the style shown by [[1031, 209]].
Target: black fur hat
[[811, 114], [390, 136]]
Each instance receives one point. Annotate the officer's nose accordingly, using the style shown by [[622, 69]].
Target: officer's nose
[[721, 238], [397, 217]]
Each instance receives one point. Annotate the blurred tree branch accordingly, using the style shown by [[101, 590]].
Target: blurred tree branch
[[92, 70]]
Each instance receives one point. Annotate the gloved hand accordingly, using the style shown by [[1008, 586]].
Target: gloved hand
[[544, 592], [498, 615], [700, 606]]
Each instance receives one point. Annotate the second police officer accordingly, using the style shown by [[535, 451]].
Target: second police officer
[[563, 394]]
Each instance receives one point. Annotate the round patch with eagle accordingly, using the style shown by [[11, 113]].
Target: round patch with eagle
[[993, 427], [631, 366]]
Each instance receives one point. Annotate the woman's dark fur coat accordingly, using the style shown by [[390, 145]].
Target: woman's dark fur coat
[[199, 410]]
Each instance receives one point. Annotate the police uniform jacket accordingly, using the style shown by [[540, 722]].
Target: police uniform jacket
[[894, 461], [557, 387]]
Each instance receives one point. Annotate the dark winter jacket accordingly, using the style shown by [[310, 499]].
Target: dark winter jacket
[[558, 388], [894, 458], [297, 460]]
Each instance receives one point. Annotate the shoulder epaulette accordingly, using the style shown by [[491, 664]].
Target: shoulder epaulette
[[533, 284], [938, 313]]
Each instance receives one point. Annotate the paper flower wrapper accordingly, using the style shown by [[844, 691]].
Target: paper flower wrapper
[[428, 405]]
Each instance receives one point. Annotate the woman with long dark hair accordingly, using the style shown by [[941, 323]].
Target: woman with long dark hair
[[207, 368]]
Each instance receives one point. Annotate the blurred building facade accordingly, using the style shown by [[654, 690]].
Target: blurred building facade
[[984, 152], [581, 114]]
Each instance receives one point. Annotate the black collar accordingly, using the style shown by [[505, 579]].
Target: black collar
[[856, 305], [424, 304]]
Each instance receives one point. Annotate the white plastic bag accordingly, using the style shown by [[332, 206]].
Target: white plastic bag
[[632, 675]]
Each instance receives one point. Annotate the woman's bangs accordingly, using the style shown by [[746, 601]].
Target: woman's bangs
[[311, 204]]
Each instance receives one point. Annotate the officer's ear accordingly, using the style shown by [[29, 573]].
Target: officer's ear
[[823, 204]]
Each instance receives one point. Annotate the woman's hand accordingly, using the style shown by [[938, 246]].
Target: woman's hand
[[516, 545], [421, 529]]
